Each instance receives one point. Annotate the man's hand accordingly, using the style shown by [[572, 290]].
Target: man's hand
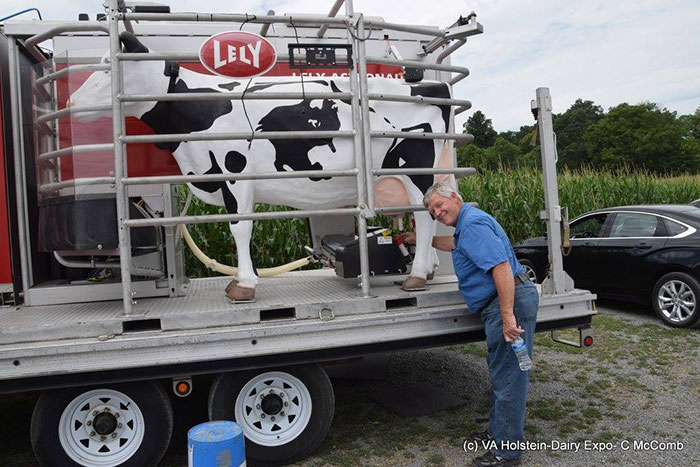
[[511, 330], [409, 237]]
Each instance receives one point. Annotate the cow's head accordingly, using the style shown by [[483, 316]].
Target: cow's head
[[143, 77]]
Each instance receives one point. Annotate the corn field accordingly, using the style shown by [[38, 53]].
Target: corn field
[[514, 197]]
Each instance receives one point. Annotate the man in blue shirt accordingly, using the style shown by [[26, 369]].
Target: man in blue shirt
[[495, 285]]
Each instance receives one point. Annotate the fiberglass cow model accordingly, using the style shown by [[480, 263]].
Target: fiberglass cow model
[[261, 155]]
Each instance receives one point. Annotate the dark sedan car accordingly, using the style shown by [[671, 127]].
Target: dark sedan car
[[645, 254]]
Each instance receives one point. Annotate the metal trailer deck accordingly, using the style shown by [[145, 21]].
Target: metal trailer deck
[[306, 315]]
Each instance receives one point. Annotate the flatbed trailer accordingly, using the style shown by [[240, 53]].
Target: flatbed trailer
[[302, 317], [102, 351]]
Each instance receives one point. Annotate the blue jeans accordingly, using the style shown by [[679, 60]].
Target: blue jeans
[[508, 382]]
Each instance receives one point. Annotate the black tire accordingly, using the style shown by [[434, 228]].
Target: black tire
[[667, 303], [227, 387], [530, 270], [150, 400]]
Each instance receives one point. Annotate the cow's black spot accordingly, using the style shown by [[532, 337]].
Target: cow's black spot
[[212, 187], [435, 90], [235, 162], [300, 117], [184, 116], [416, 154], [260, 87], [229, 86]]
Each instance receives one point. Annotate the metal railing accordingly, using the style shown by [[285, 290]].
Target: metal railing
[[361, 133]]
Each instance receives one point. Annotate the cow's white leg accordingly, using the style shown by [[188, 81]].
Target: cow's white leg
[[242, 232], [425, 231], [435, 262], [244, 287]]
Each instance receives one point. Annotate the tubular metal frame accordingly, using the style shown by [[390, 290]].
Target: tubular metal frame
[[361, 133]]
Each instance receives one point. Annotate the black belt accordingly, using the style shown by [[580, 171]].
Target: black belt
[[519, 279]]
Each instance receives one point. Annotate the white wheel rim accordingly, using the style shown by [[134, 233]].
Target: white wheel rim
[[80, 434], [677, 301], [271, 427]]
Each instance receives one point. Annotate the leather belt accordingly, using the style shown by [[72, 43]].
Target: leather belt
[[519, 279]]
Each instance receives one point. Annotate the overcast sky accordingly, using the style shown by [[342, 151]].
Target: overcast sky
[[605, 51]]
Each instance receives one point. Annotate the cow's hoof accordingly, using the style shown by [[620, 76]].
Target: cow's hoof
[[413, 283], [231, 285], [430, 276], [240, 293]]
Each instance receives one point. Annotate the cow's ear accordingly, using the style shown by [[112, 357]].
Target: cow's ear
[[131, 43]]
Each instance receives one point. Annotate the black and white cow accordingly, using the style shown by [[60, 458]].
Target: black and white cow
[[261, 155]]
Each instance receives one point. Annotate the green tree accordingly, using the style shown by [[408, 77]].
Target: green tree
[[481, 128], [570, 128], [638, 136], [502, 153], [690, 146]]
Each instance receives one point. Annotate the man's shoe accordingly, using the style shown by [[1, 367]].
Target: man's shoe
[[491, 460], [481, 437]]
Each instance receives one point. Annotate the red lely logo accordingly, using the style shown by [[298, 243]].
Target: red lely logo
[[237, 54]]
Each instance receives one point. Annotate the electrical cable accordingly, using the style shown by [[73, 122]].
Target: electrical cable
[[349, 28], [21, 13]]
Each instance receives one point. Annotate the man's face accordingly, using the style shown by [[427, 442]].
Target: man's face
[[445, 210]]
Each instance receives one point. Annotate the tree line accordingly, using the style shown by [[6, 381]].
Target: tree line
[[639, 137]]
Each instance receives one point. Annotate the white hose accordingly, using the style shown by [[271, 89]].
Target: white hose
[[230, 270]]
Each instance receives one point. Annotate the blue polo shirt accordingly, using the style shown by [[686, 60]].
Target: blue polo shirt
[[480, 244]]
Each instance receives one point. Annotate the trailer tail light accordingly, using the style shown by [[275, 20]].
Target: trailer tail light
[[585, 337], [182, 387]]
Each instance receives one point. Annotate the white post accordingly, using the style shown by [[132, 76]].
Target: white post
[[558, 281]]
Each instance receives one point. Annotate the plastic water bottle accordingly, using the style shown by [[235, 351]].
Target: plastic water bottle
[[520, 350]]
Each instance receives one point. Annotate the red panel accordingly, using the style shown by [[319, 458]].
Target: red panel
[[5, 259]]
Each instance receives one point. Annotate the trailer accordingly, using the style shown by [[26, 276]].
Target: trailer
[[106, 352]]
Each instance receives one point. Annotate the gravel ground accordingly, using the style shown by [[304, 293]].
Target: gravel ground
[[639, 383]]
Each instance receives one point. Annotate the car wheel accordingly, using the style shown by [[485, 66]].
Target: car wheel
[[115, 425], [285, 413], [530, 270], [675, 299]]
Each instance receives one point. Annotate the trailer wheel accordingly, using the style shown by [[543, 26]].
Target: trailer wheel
[[116, 425], [285, 414]]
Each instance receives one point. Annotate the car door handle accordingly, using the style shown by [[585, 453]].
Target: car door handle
[[643, 245], [587, 244]]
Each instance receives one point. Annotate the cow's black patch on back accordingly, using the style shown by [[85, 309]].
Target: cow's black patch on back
[[347, 101], [415, 153], [229, 86], [211, 187], [184, 116], [435, 90], [300, 117], [260, 87]]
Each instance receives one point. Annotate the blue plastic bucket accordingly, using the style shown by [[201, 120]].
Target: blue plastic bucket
[[216, 444]]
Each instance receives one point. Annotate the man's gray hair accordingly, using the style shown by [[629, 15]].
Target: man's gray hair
[[442, 189]]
